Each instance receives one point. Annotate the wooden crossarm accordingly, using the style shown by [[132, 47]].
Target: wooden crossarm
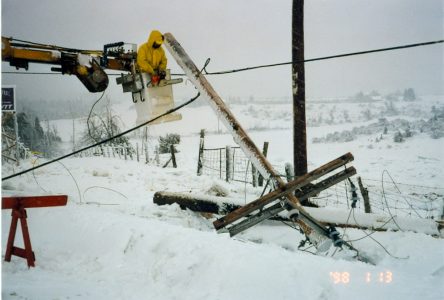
[[285, 190], [274, 209]]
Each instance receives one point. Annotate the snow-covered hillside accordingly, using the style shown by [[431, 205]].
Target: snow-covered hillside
[[112, 242]]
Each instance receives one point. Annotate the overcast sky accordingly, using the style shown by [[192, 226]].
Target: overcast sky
[[235, 33]]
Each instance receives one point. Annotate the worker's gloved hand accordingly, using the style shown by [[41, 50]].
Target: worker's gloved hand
[[162, 74], [155, 79]]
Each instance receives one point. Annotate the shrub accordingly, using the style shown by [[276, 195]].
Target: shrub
[[166, 142]]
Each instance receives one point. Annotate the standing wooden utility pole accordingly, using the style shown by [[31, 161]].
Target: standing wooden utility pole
[[298, 76]]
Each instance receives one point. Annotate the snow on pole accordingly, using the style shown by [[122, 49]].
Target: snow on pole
[[289, 172], [219, 107], [264, 151], [316, 232]]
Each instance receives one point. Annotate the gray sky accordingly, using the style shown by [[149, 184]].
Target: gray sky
[[235, 34]]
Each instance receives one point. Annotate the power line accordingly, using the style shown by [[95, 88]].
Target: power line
[[280, 64], [111, 138], [329, 57], [103, 141]]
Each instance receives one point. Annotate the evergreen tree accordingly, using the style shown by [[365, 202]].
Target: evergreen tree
[[409, 95], [39, 136], [25, 130], [34, 137]]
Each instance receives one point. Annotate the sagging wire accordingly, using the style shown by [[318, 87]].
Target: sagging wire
[[103, 141], [328, 57], [348, 217], [72, 176], [354, 199], [33, 162], [89, 116], [105, 188], [352, 211], [265, 187], [386, 203], [369, 235], [394, 183], [373, 232]]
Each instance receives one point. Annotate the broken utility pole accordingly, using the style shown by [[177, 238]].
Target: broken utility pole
[[318, 234], [298, 82]]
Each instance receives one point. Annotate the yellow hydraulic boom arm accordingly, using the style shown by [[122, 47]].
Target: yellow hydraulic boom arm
[[87, 65]]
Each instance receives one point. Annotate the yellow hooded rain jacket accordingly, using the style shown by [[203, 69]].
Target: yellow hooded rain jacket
[[150, 59]]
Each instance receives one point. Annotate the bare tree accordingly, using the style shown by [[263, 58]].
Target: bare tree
[[104, 125]]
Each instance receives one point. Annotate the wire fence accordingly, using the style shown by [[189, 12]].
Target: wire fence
[[214, 163], [387, 198], [143, 153]]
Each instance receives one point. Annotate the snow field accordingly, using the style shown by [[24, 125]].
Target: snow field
[[112, 242]]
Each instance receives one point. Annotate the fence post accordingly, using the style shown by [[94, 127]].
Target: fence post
[[289, 172], [137, 151], [124, 152], [130, 153], [228, 162], [364, 193], [147, 159], [442, 216], [201, 151], [265, 152], [173, 156], [253, 174], [157, 158]]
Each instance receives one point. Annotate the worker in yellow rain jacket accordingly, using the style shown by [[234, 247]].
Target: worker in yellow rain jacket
[[151, 58]]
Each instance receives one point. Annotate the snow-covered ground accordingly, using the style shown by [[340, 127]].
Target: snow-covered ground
[[112, 242]]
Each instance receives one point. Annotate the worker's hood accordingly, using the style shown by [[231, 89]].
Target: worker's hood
[[155, 35]]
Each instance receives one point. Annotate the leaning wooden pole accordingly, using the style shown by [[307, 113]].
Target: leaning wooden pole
[[314, 230]]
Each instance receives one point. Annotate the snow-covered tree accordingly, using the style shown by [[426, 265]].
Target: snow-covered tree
[[409, 95]]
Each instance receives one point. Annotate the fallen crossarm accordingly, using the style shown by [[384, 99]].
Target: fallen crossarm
[[316, 232]]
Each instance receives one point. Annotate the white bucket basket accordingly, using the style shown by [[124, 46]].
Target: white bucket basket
[[155, 101]]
